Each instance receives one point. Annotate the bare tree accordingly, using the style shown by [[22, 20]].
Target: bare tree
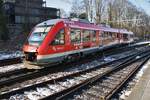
[[63, 13], [77, 7], [100, 6], [117, 13]]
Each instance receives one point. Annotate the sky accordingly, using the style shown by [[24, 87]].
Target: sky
[[142, 4], [64, 4]]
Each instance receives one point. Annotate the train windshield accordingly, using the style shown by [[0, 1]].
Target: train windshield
[[38, 35]]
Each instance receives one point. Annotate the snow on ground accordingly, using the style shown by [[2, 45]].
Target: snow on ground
[[11, 68], [109, 59], [6, 55], [126, 92], [145, 42]]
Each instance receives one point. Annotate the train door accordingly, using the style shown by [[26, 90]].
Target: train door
[[105, 38], [98, 38], [101, 35], [93, 37], [58, 44], [118, 37], [75, 39], [86, 38], [125, 37]]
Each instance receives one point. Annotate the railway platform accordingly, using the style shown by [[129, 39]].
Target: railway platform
[[142, 89]]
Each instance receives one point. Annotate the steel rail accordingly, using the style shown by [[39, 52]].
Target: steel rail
[[24, 74], [64, 94], [6, 95]]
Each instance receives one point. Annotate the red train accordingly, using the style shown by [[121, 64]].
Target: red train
[[57, 40]]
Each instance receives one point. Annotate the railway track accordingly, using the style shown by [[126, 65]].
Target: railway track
[[105, 87], [102, 86], [74, 79], [21, 75], [10, 61]]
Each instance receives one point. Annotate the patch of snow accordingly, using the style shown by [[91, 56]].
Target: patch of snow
[[11, 68], [55, 87], [33, 95], [6, 55], [137, 57], [108, 59], [17, 97], [44, 91], [145, 42], [122, 97], [127, 93], [140, 73]]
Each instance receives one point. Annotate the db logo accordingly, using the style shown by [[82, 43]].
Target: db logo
[[54, 48]]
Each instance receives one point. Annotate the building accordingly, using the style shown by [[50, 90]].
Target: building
[[24, 14]]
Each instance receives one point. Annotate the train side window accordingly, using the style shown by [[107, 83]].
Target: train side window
[[105, 35], [75, 36], [125, 36], [118, 35], [101, 35], [114, 35], [131, 36], [110, 35], [93, 36], [86, 35], [60, 38]]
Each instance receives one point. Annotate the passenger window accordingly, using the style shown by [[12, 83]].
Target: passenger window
[[101, 34], [86, 35], [125, 36], [105, 36], [114, 35], [110, 35], [60, 38], [75, 36], [94, 36], [118, 35]]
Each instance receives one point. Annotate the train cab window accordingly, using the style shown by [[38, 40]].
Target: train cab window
[[60, 38], [38, 34], [75, 35], [86, 35], [93, 36]]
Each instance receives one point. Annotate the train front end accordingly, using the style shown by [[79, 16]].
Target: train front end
[[33, 43]]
